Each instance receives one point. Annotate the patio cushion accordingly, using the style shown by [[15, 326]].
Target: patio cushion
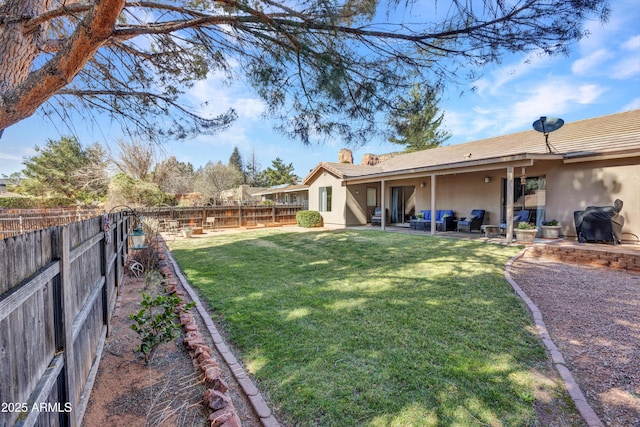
[[442, 213]]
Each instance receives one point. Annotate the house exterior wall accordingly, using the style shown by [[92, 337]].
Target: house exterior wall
[[575, 186], [570, 187], [337, 215], [356, 206]]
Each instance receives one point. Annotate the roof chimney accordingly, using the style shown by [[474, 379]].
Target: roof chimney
[[345, 156]]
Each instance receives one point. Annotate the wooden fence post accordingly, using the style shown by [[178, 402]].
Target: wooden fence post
[[67, 316], [105, 272]]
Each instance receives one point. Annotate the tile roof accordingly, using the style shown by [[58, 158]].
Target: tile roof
[[613, 134], [601, 135]]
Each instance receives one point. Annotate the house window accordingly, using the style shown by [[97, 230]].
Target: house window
[[325, 199], [372, 197]]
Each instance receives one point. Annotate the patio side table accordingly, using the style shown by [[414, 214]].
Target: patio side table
[[491, 230]]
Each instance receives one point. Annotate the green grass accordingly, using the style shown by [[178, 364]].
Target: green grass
[[345, 328]]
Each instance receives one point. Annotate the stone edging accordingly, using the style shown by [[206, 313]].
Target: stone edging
[[256, 399], [579, 400]]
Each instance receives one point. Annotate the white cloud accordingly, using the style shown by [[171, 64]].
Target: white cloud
[[6, 156], [633, 105], [215, 97], [512, 72], [593, 61], [632, 44], [626, 68], [551, 98]]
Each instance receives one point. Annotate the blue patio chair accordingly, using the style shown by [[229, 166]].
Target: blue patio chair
[[522, 216], [472, 222]]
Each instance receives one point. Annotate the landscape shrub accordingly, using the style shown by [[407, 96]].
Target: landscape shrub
[[309, 219], [125, 190], [154, 323]]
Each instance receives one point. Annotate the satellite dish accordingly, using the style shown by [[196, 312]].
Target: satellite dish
[[546, 125]]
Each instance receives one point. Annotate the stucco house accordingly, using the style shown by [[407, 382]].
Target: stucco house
[[286, 194], [588, 163]]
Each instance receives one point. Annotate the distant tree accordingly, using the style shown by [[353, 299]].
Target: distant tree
[[14, 179], [254, 176], [323, 67], [214, 178], [126, 190], [135, 159], [61, 168], [279, 173], [94, 177], [416, 120], [236, 160], [173, 176]]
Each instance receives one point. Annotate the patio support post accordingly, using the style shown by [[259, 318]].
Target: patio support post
[[509, 213], [433, 205], [383, 210]]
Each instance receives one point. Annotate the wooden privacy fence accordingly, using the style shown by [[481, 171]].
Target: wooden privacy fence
[[227, 216], [58, 289], [14, 222], [17, 222]]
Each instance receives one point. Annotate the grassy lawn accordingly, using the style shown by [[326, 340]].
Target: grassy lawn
[[346, 328]]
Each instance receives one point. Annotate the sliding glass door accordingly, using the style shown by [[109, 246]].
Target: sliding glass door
[[529, 195], [403, 203]]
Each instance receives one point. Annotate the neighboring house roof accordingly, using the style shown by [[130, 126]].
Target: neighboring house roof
[[284, 188], [615, 135]]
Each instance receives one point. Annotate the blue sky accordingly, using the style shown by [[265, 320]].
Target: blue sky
[[601, 76]]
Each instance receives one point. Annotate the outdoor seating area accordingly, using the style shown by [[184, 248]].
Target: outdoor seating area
[[445, 220], [176, 226], [472, 222], [376, 218]]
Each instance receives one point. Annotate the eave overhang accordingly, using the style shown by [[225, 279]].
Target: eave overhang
[[468, 166]]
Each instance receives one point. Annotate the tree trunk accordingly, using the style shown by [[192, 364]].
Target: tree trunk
[[21, 95], [17, 49]]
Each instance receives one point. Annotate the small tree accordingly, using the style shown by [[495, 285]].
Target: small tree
[[126, 190], [173, 176], [235, 160], [154, 322], [135, 159], [214, 178], [416, 121], [64, 168], [279, 173]]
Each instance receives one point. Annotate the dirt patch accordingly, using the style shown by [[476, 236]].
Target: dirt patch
[[169, 391]]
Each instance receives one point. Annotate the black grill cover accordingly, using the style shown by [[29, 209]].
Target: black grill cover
[[599, 223]]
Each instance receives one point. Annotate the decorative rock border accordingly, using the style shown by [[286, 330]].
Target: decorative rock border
[[225, 414], [579, 400]]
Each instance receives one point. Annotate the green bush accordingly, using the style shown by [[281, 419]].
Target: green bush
[[123, 189], [309, 219]]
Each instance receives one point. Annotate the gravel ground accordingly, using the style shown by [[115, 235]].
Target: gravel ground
[[593, 316]]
